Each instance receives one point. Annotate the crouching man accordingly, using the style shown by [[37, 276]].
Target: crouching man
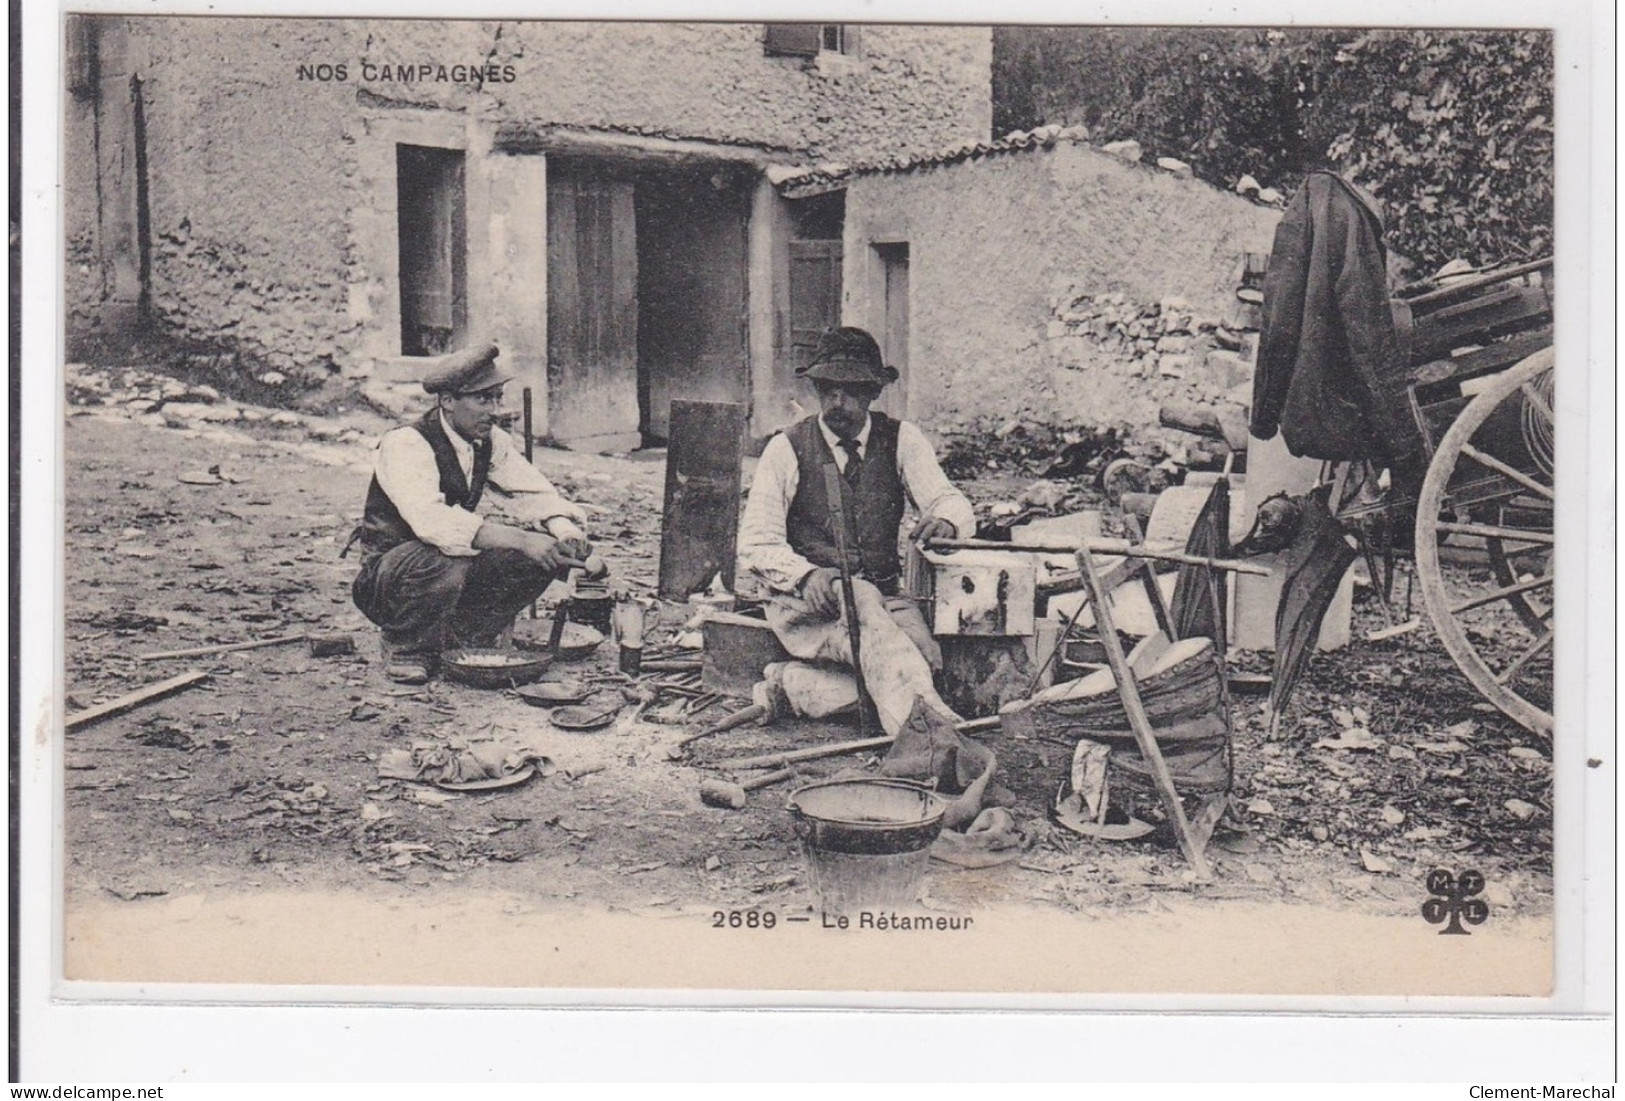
[[788, 542], [435, 573]]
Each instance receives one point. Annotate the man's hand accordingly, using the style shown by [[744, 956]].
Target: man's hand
[[818, 590], [544, 550], [932, 527], [575, 547]]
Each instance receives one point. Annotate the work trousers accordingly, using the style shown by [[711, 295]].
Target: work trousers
[[425, 601], [899, 656]]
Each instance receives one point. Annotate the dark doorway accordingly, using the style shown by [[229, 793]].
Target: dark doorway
[[431, 221], [692, 292]]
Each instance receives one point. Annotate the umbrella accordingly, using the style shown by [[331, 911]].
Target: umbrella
[[1193, 610], [1317, 558]]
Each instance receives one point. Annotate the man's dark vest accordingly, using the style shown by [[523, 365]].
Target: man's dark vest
[[381, 524], [875, 504]]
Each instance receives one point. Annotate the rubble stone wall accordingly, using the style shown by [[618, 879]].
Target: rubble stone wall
[[1061, 287], [253, 178]]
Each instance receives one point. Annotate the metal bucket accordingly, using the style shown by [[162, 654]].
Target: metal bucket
[[867, 841]]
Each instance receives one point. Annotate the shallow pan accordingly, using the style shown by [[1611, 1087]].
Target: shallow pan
[[479, 668], [513, 779], [585, 717], [553, 693], [579, 640]]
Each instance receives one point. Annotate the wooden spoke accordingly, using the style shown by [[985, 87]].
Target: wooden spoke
[[1511, 531], [1492, 531], [1523, 659], [1500, 594], [1499, 467], [1537, 402]]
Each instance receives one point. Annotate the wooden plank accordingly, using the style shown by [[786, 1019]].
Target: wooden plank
[[700, 527], [1128, 690], [135, 699], [222, 648]]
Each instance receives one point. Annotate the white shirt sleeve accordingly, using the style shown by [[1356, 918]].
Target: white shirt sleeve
[[928, 487], [531, 497], [764, 547], [408, 474]]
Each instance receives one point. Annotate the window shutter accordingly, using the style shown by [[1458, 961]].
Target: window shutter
[[792, 39]]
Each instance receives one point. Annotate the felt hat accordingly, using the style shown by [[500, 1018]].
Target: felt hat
[[848, 355], [467, 371]]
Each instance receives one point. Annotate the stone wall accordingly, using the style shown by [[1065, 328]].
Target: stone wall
[[255, 186], [1060, 286]]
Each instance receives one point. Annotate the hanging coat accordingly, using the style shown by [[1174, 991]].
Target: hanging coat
[[1330, 369]]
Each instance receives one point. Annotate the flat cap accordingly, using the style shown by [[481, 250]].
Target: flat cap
[[848, 355], [467, 371]]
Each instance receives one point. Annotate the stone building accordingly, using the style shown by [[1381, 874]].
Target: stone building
[[1043, 279], [318, 197]]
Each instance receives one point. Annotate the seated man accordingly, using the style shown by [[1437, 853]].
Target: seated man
[[788, 542], [434, 573]]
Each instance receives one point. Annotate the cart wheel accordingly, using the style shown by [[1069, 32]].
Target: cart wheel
[[1494, 482]]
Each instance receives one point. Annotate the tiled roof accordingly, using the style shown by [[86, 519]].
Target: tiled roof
[[795, 182]]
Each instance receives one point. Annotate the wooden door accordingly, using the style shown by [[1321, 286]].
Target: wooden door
[[815, 296], [592, 274]]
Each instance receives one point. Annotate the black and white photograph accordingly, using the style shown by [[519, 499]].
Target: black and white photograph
[[818, 510]]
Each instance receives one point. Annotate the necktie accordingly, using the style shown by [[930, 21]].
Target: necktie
[[854, 461]]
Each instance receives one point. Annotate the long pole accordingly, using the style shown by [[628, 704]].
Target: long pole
[[868, 717], [1104, 546]]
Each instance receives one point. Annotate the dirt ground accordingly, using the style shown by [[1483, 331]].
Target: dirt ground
[[265, 776]]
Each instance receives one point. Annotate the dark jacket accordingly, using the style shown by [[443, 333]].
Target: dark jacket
[[1330, 370], [381, 524], [875, 505]]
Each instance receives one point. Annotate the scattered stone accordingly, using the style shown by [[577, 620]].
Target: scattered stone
[[1320, 833], [1177, 167], [1498, 894], [1357, 738], [1374, 864], [1247, 186], [1271, 196], [1392, 815], [712, 863], [273, 378], [1520, 810], [1128, 150], [286, 419], [1260, 807], [1173, 366]]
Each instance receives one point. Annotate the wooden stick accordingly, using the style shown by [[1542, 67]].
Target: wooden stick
[[837, 749], [223, 648], [779, 760], [135, 699], [1113, 547], [1128, 691]]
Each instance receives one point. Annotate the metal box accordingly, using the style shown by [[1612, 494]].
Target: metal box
[[975, 593]]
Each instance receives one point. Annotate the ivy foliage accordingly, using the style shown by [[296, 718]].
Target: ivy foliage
[[1452, 130]]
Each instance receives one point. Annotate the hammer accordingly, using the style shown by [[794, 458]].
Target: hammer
[[728, 796]]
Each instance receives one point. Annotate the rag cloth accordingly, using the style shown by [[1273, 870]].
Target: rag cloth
[[488, 760], [899, 656], [993, 838], [930, 748]]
